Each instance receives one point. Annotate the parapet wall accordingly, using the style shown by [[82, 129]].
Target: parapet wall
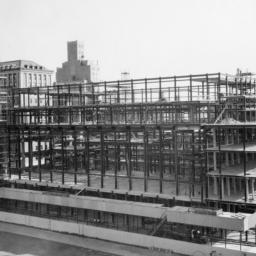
[[119, 236]]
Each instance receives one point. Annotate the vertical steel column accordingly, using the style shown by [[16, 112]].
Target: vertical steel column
[[21, 117], [244, 165], [75, 154], [125, 114], [128, 148], [156, 116], [160, 88], [93, 94], [125, 96], [202, 173], [30, 152], [23, 156], [207, 87], [82, 104], [218, 88], [18, 141], [241, 86], [115, 157], [244, 105], [175, 159], [132, 92], [102, 158], [28, 98], [48, 98], [199, 113], [105, 92], [9, 151], [62, 156], [226, 85], [250, 85], [193, 178], [161, 159], [190, 88], [87, 152], [203, 90], [175, 88], [118, 91], [58, 104], [81, 96], [146, 90], [221, 192], [236, 86], [13, 97], [206, 163], [39, 154], [47, 113], [84, 152], [51, 152], [97, 114], [111, 114], [30, 117], [145, 159]]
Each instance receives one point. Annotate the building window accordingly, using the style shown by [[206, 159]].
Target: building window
[[35, 79], [25, 80], [45, 80], [40, 80], [30, 80]]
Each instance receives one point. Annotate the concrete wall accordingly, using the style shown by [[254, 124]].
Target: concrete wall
[[119, 236], [93, 203], [225, 221]]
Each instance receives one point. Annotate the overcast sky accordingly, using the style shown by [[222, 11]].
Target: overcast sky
[[145, 37]]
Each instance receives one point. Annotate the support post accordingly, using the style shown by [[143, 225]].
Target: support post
[[102, 157], [160, 160], [75, 155], [145, 160]]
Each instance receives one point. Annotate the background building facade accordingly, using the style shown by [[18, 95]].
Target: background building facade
[[24, 73], [77, 69]]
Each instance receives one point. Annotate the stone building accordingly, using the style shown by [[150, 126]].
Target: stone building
[[76, 68], [25, 73]]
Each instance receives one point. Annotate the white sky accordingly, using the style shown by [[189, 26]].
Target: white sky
[[145, 37]]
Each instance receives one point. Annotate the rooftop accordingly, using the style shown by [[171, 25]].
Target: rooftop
[[21, 64]]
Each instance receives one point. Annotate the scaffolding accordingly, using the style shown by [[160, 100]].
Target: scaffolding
[[145, 135]]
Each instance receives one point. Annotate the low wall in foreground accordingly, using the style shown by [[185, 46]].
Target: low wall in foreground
[[119, 236]]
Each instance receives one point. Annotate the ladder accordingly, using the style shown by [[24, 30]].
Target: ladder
[[163, 219]]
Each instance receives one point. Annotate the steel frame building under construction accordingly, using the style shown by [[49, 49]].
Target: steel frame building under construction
[[171, 158]]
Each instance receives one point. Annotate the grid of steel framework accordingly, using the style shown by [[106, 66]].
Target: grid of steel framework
[[162, 135]]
